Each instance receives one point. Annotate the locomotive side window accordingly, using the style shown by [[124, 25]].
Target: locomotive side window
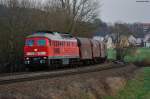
[[54, 43], [62, 43], [29, 42], [50, 43], [41, 42], [72, 44], [67, 43], [59, 43]]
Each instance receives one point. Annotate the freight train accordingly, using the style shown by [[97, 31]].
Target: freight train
[[46, 48]]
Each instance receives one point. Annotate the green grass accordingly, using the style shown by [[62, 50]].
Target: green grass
[[139, 88], [137, 55], [131, 54], [111, 54]]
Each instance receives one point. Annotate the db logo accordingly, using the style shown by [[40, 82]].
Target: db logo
[[35, 50]]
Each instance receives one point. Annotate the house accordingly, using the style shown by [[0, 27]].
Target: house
[[147, 41], [132, 40]]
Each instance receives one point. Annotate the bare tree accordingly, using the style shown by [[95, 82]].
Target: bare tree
[[73, 11]]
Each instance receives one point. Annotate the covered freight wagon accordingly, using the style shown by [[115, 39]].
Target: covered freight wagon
[[103, 50], [85, 48], [96, 49]]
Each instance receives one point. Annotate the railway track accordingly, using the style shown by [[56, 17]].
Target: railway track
[[29, 76]]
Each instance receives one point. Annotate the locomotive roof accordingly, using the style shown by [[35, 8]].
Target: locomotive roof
[[54, 36]]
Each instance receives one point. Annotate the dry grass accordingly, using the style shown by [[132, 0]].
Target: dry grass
[[82, 86]]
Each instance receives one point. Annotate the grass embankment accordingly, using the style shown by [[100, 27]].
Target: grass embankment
[[132, 55], [138, 55], [138, 88]]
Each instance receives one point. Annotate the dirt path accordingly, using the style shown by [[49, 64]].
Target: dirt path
[[82, 86]]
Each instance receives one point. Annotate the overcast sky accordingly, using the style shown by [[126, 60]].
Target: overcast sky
[[125, 10]]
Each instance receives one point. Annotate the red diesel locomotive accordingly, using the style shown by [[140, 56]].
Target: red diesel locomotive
[[52, 48]]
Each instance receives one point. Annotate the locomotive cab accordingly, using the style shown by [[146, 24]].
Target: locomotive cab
[[36, 50]]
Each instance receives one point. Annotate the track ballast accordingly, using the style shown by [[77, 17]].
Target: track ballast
[[29, 76]]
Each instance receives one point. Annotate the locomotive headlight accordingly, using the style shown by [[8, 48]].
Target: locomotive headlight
[[44, 57], [27, 58]]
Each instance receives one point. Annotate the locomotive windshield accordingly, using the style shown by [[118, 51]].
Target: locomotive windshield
[[29, 42], [41, 42]]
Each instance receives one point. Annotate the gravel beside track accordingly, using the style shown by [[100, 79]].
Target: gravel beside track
[[59, 73]]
